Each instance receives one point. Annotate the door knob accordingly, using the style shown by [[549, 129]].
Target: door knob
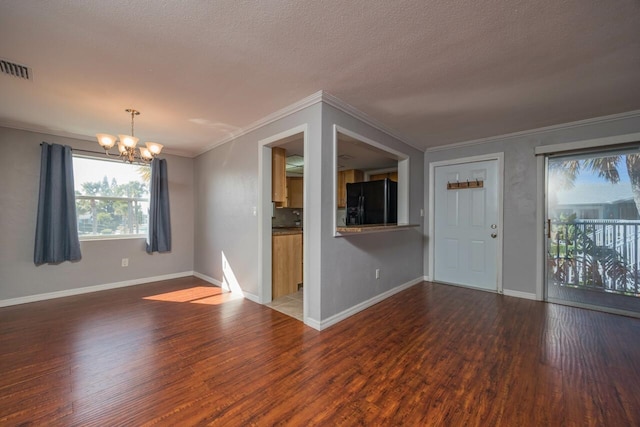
[[494, 235]]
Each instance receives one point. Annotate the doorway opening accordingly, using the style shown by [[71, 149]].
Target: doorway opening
[[282, 215], [593, 230]]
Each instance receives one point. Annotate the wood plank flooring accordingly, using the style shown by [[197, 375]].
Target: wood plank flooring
[[179, 353]]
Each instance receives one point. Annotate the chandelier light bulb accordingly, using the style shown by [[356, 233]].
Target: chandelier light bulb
[[105, 140], [128, 140], [121, 148], [154, 147], [145, 153]]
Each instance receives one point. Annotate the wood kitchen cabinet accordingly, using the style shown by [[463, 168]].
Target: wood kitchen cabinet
[[278, 176], [393, 176], [295, 192], [286, 264], [344, 178]]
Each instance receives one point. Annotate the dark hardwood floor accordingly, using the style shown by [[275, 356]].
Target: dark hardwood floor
[[431, 355]]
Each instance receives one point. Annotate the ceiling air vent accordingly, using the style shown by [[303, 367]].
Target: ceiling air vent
[[15, 70]]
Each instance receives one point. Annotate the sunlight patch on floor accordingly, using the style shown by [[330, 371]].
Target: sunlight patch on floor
[[196, 295]]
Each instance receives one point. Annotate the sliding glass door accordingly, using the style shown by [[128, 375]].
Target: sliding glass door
[[593, 230]]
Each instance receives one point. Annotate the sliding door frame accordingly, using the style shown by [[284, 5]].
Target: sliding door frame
[[542, 153]]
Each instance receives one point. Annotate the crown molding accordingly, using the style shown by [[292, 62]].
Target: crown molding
[[320, 96], [284, 112], [64, 134], [537, 131], [353, 111], [41, 129]]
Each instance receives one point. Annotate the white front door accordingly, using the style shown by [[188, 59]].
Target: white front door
[[466, 224]]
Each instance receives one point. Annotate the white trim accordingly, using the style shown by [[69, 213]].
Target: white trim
[[324, 324], [320, 96], [541, 185], [519, 294], [533, 132], [216, 282], [251, 297], [313, 323], [282, 135], [541, 215], [209, 279], [354, 112], [91, 138], [280, 114], [472, 159], [589, 143], [100, 238], [427, 278], [264, 216], [403, 174], [89, 289]]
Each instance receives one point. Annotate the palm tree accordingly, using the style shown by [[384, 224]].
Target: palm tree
[[92, 189], [566, 171], [145, 172], [602, 266]]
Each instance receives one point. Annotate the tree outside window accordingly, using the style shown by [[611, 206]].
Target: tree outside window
[[112, 198]]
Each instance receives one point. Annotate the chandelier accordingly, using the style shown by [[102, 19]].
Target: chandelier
[[128, 149]]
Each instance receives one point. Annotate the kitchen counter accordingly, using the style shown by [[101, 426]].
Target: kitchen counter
[[373, 228], [283, 231]]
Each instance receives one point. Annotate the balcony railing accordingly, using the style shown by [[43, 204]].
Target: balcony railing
[[100, 216], [596, 254]]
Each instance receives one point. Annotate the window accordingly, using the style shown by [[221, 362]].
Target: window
[[112, 198]]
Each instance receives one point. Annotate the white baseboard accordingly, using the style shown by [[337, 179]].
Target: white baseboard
[[208, 279], [323, 324], [251, 297], [519, 294], [89, 289], [313, 323], [247, 295], [427, 278]]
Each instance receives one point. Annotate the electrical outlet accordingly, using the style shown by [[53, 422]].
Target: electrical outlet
[[125, 262], [377, 273], [422, 212]]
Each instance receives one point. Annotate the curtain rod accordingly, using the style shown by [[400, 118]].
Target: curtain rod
[[87, 151], [80, 149]]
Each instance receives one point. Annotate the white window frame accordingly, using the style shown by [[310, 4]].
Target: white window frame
[[100, 237]]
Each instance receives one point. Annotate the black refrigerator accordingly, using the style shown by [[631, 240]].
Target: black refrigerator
[[372, 202]]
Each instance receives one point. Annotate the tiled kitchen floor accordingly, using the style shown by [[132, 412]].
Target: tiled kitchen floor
[[291, 305]]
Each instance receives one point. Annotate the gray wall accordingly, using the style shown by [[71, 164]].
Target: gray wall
[[226, 180], [349, 263], [340, 269], [520, 191], [101, 260]]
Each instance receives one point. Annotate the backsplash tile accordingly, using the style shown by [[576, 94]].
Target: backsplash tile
[[286, 217]]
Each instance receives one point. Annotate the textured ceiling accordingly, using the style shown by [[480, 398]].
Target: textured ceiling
[[436, 72]]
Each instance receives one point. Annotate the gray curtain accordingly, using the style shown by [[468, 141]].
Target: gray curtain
[[56, 226], [159, 237]]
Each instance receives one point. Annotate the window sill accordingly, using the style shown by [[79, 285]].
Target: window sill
[[114, 237]]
